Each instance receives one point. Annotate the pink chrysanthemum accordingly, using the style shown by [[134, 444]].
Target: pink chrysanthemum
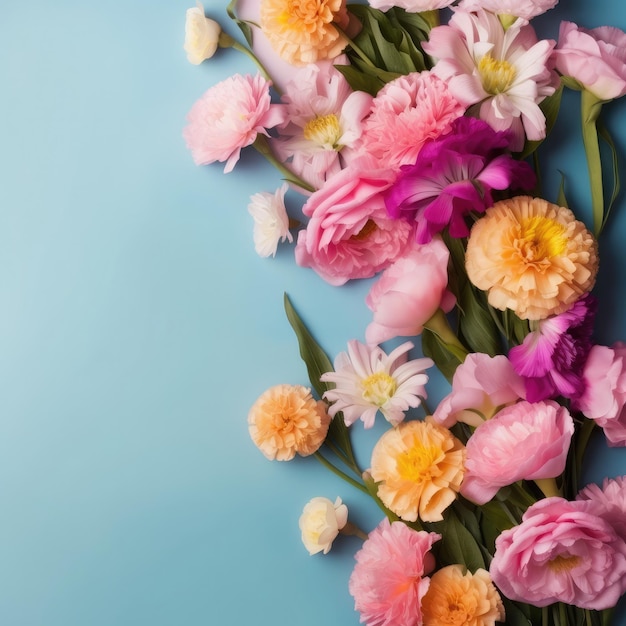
[[323, 122], [388, 581], [609, 502], [551, 359], [368, 380], [228, 117], [504, 73], [407, 112]]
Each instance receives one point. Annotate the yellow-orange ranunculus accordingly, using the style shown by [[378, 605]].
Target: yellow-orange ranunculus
[[532, 257], [286, 420], [455, 598], [419, 467], [302, 31]]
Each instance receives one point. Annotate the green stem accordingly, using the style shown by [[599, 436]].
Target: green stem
[[354, 46], [262, 145], [353, 529], [348, 459], [548, 487], [438, 324], [545, 616], [226, 41], [335, 470]]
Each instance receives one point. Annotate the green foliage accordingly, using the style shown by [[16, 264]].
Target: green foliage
[[435, 349], [550, 107], [245, 27]]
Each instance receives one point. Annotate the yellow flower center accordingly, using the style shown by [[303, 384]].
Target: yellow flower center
[[325, 131], [496, 75], [378, 388], [563, 563], [416, 464], [541, 238]]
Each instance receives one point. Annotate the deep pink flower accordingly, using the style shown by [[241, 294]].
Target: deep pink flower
[[551, 358], [228, 117], [481, 386], [501, 74], [389, 579], [604, 398], [409, 292], [407, 112], [349, 234], [596, 58], [609, 502], [453, 176], [561, 552], [498, 451]]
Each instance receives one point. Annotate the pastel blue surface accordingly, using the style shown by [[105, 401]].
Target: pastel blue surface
[[137, 326]]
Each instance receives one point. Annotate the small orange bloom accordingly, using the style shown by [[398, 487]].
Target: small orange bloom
[[286, 420], [302, 31], [532, 257], [457, 599], [420, 467]]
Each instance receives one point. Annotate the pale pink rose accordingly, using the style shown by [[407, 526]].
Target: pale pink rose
[[481, 385], [228, 117], [349, 234], [516, 8], [604, 398], [389, 579], [561, 552], [498, 451], [410, 6], [409, 293], [406, 113], [609, 502], [596, 58]]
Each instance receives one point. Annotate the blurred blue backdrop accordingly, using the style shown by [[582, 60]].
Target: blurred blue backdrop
[[137, 326]]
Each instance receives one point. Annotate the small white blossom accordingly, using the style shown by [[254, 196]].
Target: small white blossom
[[271, 223], [320, 523], [201, 35]]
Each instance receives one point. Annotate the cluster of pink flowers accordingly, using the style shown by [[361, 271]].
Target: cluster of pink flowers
[[421, 183]]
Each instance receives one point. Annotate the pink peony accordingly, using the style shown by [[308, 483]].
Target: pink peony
[[501, 74], [514, 8], [609, 502], [228, 117], [349, 234], [410, 6], [561, 552], [409, 293], [596, 58], [481, 385], [323, 122], [604, 398], [497, 452], [406, 113], [388, 581]]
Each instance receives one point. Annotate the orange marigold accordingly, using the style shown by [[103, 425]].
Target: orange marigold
[[286, 420], [532, 257], [455, 598], [419, 467], [302, 31]]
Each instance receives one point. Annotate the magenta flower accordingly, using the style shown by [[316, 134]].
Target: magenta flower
[[604, 398], [609, 502], [453, 176], [561, 552], [551, 359], [388, 581], [228, 117], [497, 452]]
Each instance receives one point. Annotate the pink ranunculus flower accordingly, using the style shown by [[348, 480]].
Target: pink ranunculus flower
[[498, 451], [410, 6], [409, 293], [502, 75], [349, 234], [515, 8], [561, 552], [604, 398], [228, 117], [596, 58], [323, 122], [480, 386], [389, 579], [609, 502]]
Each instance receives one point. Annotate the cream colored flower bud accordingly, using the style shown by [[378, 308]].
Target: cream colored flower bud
[[201, 35], [320, 523]]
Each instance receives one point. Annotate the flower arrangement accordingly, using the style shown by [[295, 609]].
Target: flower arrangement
[[410, 131]]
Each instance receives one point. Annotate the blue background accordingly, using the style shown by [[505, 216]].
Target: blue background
[[137, 326]]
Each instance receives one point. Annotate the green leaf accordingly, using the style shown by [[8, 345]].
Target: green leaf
[[243, 25], [433, 348], [457, 544], [515, 616], [476, 324], [604, 133], [561, 199], [550, 107]]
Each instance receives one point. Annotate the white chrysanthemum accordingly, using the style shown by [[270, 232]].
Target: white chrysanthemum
[[271, 223], [368, 380]]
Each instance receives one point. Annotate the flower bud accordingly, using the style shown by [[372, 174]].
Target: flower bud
[[201, 35], [320, 523]]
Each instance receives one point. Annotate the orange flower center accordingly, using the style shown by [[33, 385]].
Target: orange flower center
[[497, 75], [378, 388], [563, 563], [540, 238], [417, 463], [325, 131], [305, 15]]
